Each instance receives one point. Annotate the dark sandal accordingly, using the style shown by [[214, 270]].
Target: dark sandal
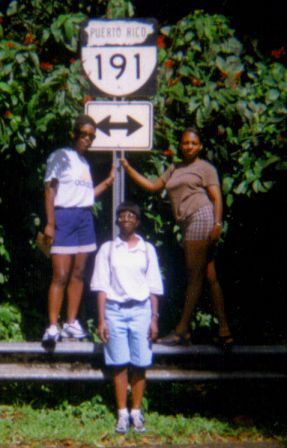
[[226, 341], [174, 338]]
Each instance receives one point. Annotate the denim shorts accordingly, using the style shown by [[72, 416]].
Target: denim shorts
[[74, 231], [128, 325], [199, 225]]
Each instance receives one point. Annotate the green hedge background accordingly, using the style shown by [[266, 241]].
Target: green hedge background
[[208, 74]]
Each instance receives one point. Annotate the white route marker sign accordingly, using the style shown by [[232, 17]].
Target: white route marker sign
[[120, 56]]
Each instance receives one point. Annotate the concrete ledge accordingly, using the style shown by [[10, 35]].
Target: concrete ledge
[[85, 372], [90, 348], [74, 360]]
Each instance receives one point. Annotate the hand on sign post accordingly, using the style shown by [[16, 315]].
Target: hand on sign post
[[124, 163]]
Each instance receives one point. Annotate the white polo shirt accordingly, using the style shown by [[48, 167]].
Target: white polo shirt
[[125, 273]]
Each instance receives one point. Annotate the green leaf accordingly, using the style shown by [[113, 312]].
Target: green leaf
[[227, 184], [12, 8], [229, 200], [258, 187], [241, 188], [206, 101], [3, 279], [250, 175], [4, 87], [184, 70], [177, 90], [69, 29], [45, 35], [193, 104], [21, 147], [272, 95]]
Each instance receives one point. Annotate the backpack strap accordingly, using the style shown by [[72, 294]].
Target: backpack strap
[[110, 259], [147, 255]]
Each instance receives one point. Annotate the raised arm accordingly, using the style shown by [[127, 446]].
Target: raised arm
[[105, 184], [142, 181]]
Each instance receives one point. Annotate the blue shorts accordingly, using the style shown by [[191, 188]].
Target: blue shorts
[[74, 231], [128, 326]]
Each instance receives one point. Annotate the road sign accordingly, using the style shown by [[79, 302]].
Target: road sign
[[120, 56], [122, 125]]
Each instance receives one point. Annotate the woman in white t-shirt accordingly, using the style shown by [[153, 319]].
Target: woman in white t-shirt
[[69, 197]]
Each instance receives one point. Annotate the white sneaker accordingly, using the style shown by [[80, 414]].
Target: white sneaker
[[51, 336], [137, 421], [123, 424], [74, 330]]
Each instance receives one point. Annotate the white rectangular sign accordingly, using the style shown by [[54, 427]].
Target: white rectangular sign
[[122, 125]]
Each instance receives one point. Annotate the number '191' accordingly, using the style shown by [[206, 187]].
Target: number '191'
[[118, 62]]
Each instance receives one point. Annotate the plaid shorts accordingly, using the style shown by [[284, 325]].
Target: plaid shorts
[[199, 224]]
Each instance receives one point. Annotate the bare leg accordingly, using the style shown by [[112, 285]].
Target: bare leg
[[217, 299], [75, 286], [61, 265], [138, 386], [120, 379], [196, 261]]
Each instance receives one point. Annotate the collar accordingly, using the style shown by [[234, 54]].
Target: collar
[[139, 246]]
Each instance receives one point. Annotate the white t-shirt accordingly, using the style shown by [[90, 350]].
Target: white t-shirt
[[75, 186], [125, 273]]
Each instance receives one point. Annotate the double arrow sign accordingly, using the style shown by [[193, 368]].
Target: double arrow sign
[[130, 125], [122, 125]]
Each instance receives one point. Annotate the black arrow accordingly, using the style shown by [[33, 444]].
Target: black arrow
[[131, 125]]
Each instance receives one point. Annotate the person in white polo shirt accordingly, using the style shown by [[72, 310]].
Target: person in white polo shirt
[[69, 197], [128, 280]]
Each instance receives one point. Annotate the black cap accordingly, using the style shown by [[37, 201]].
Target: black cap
[[130, 207]]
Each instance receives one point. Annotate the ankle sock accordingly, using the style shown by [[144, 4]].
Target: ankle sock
[[135, 412], [123, 412]]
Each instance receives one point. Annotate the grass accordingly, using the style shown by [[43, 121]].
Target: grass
[[40, 417]]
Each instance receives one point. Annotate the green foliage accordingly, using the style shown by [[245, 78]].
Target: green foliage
[[205, 76], [93, 424], [4, 258], [178, 414], [10, 323], [238, 100], [203, 319], [88, 410], [117, 9]]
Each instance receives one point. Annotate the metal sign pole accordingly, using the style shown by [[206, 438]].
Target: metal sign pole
[[118, 188]]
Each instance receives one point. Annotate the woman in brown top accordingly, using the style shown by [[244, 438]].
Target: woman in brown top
[[194, 191]]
